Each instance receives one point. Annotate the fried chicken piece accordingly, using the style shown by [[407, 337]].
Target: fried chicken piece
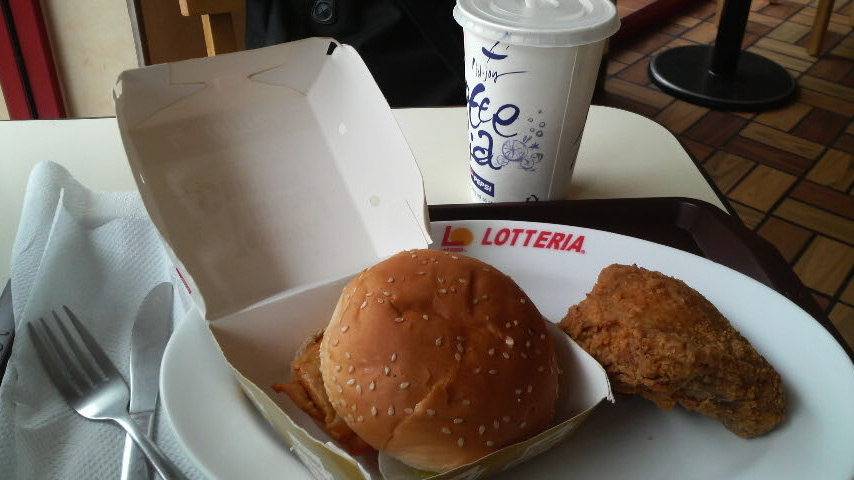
[[659, 338], [307, 391]]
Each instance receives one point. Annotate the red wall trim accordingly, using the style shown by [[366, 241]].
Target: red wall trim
[[12, 77], [34, 45], [38, 58]]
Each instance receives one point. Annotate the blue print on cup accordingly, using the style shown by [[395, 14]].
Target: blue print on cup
[[497, 137]]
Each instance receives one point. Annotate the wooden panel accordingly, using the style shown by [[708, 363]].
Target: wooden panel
[[170, 36]]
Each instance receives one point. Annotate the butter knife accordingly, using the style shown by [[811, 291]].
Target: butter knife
[[151, 330]]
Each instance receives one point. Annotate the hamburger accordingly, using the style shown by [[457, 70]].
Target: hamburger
[[433, 358]]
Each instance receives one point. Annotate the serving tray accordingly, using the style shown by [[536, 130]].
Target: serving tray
[[688, 224]]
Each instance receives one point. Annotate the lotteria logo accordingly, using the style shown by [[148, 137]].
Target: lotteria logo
[[456, 239]]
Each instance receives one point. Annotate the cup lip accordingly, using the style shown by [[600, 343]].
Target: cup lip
[[598, 21]]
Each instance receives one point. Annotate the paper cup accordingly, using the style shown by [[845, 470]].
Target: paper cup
[[531, 68]]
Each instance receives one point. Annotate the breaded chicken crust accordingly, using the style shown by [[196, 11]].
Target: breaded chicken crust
[[660, 338]]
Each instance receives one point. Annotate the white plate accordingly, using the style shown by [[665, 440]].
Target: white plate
[[630, 439]]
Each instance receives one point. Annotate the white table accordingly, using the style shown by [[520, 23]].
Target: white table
[[622, 155]]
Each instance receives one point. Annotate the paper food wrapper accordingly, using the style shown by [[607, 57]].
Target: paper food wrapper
[[259, 344], [274, 175]]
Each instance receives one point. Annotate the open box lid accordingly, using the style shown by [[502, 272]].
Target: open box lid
[[270, 169]]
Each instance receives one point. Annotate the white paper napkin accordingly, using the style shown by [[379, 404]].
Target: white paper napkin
[[99, 254]]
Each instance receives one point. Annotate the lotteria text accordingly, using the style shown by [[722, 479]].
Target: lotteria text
[[456, 239], [534, 238]]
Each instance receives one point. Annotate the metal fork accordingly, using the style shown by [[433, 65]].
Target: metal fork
[[89, 381]]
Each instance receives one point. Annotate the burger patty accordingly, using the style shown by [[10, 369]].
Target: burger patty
[[307, 392]]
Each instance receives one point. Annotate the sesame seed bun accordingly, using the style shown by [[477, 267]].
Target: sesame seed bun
[[438, 359]]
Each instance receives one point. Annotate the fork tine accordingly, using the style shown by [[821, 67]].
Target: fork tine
[[89, 371], [47, 348], [102, 361]]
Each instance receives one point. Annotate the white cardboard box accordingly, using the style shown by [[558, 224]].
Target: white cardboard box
[[274, 175]]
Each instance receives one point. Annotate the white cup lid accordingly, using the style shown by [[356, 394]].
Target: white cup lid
[[544, 23]]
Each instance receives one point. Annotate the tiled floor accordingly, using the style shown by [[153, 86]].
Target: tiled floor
[[788, 173]]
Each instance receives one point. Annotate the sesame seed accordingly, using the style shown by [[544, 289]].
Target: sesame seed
[[461, 442], [374, 411], [446, 430], [542, 336], [363, 305], [372, 386], [337, 368], [481, 429], [345, 328], [489, 443], [404, 385], [440, 279], [516, 322], [352, 381], [541, 368], [518, 391], [420, 273], [442, 290], [339, 388], [523, 425], [530, 388], [522, 300], [474, 301], [455, 257], [458, 357], [496, 424], [485, 296], [387, 294], [351, 369], [353, 407], [425, 317], [431, 412], [390, 279], [348, 355], [466, 402], [439, 342], [408, 410], [527, 344], [460, 338], [493, 372], [335, 342], [462, 280], [369, 294], [380, 300], [458, 420], [391, 410], [523, 355], [505, 355], [476, 371], [505, 419], [453, 289], [360, 418], [509, 341], [386, 370], [460, 348], [398, 319], [486, 269], [359, 388], [491, 351], [393, 357], [507, 325]]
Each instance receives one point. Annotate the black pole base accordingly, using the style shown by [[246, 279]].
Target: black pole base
[[757, 84]]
